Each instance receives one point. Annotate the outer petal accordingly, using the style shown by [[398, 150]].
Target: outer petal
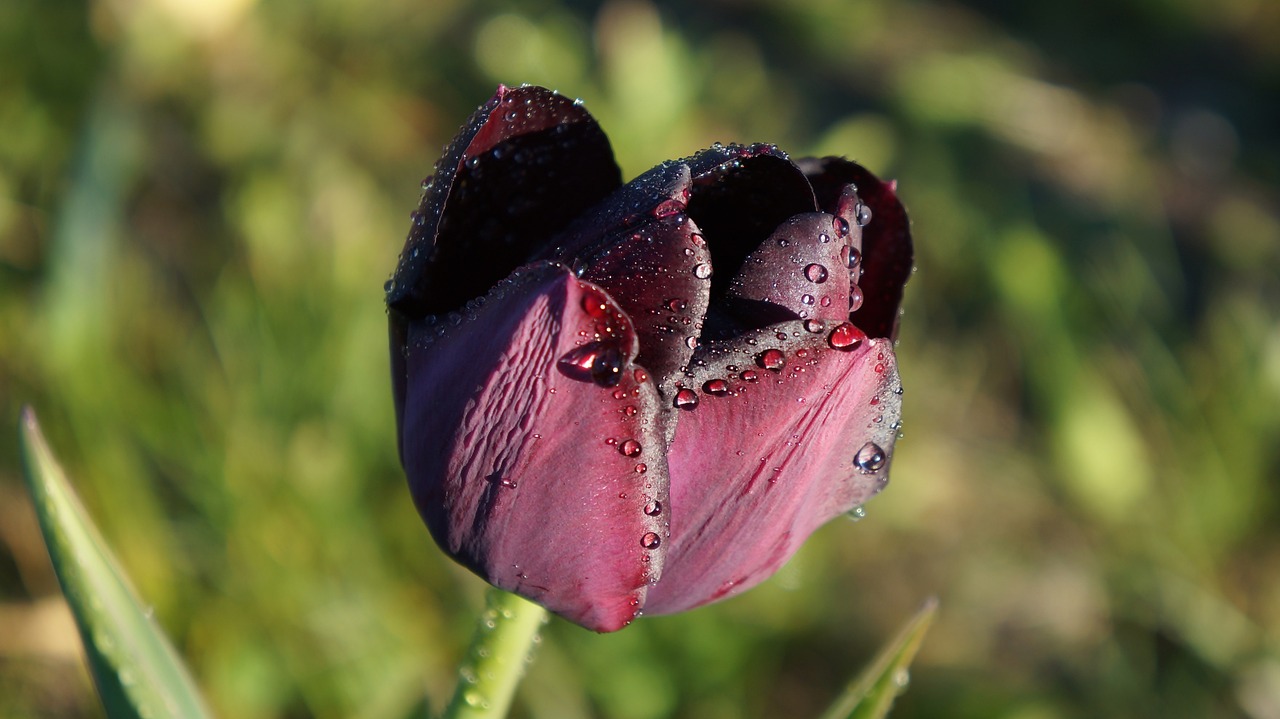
[[524, 165], [764, 458], [541, 480], [886, 239]]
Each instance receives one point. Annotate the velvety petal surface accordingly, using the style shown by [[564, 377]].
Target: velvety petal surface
[[641, 246], [886, 239], [521, 168], [780, 433], [800, 272], [534, 446]]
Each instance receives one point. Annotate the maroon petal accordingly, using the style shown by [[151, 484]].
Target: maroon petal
[[800, 272], [740, 195], [523, 166], [642, 248], [886, 239], [782, 432], [534, 446]]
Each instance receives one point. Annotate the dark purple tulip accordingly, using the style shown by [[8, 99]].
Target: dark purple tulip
[[614, 398]]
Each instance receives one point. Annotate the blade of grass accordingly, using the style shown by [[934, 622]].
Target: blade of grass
[[871, 694], [136, 670]]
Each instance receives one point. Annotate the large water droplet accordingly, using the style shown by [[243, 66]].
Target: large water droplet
[[717, 387], [686, 399], [841, 226], [702, 270], [667, 208], [653, 508], [650, 540], [806, 299], [676, 304], [814, 326], [870, 458], [846, 337], [863, 214], [815, 273], [749, 375], [630, 448], [596, 362], [855, 298], [771, 359]]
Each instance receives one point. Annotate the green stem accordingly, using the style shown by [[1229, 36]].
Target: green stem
[[496, 660]]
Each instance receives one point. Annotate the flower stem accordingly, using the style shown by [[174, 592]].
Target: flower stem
[[496, 660]]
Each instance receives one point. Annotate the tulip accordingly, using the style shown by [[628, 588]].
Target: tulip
[[614, 398]]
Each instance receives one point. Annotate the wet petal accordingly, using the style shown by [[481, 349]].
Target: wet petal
[[523, 166], [800, 272], [886, 239], [534, 446], [642, 248], [784, 433]]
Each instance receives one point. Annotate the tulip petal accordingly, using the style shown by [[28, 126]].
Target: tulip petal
[[784, 433], [800, 272], [886, 239], [534, 446], [642, 248], [524, 165]]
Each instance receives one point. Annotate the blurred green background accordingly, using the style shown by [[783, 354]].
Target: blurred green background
[[200, 201]]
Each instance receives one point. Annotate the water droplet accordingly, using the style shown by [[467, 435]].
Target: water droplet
[[841, 226], [824, 238], [717, 387], [815, 273], [642, 468], [629, 410], [686, 399], [870, 458], [825, 301], [856, 514], [596, 362], [653, 508], [846, 337], [852, 258], [771, 359], [667, 208], [676, 304], [702, 270], [855, 298], [749, 375], [691, 342], [630, 448], [650, 540], [863, 214], [806, 299], [619, 394], [641, 376], [802, 353], [814, 326]]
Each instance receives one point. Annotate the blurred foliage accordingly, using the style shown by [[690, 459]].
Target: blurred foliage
[[200, 201]]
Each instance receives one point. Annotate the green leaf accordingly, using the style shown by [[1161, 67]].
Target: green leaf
[[871, 694], [136, 670]]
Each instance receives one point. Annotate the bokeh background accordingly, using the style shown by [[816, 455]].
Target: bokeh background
[[200, 201]]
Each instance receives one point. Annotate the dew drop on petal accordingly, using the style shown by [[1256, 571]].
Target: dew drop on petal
[[855, 298], [856, 514], [863, 214], [806, 299], [629, 448], [686, 399], [749, 375], [650, 540], [593, 362], [771, 359], [667, 208], [815, 273], [841, 226], [717, 387], [653, 508], [870, 458], [846, 337], [814, 326], [702, 270]]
